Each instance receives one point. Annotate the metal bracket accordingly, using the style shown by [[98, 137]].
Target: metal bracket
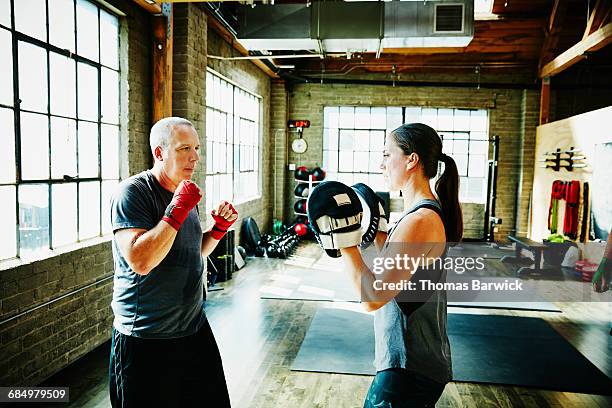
[[166, 9]]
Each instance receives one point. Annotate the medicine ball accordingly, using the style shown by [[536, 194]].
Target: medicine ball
[[318, 174], [300, 206], [300, 230], [302, 173], [301, 190], [301, 219]]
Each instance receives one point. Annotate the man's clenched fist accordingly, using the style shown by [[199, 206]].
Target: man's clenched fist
[[186, 196], [224, 215]]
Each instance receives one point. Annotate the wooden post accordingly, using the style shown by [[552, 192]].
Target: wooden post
[[162, 64], [545, 101]]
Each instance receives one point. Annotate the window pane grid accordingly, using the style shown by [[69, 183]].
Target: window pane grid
[[353, 142], [55, 70], [232, 141], [347, 156]]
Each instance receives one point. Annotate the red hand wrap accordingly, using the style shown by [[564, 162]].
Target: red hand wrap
[[221, 224], [186, 196]]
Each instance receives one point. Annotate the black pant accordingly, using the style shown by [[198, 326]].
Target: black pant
[[399, 388], [181, 372]]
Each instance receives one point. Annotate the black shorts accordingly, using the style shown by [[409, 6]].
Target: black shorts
[[181, 372]]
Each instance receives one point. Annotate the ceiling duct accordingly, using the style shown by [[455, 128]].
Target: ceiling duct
[[348, 26], [357, 26], [275, 27], [435, 23]]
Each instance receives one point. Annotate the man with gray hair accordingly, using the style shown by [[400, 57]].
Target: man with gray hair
[[163, 352]]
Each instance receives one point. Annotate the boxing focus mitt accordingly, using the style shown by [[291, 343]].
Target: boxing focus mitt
[[335, 212], [374, 218]]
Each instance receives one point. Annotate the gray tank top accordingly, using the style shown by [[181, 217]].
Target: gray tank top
[[416, 340]]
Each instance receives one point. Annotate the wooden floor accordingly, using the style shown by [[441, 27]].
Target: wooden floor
[[259, 339]]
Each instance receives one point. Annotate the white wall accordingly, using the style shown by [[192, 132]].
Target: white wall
[[583, 132]]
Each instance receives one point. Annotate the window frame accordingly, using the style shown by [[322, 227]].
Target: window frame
[[18, 38], [444, 134], [236, 118]]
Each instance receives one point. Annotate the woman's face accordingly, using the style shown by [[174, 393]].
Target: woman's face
[[396, 166]]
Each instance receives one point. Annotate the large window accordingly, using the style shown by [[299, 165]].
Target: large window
[[465, 138], [232, 142], [353, 140], [59, 123]]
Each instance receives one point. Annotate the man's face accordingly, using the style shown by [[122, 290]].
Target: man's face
[[182, 154]]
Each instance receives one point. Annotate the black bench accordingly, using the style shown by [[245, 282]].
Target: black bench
[[536, 248]]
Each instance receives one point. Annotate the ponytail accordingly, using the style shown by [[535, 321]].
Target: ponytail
[[447, 189], [425, 141]]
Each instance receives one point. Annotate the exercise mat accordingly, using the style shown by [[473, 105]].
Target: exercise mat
[[508, 350]]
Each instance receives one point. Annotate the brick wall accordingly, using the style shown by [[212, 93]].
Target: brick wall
[[530, 110], [473, 220], [189, 78], [136, 89], [306, 101], [473, 216], [35, 343], [278, 135], [246, 75], [505, 121]]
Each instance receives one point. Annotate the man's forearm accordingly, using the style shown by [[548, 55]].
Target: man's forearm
[[208, 244], [151, 247]]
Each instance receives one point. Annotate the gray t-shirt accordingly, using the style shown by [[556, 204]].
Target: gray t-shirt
[[168, 301]]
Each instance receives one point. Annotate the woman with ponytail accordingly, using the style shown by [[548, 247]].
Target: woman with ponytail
[[412, 351]]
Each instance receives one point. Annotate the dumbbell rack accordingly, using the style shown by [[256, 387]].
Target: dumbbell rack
[[311, 182]]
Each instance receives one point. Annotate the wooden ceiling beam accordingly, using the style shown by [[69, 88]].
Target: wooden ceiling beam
[[553, 30], [598, 17], [151, 8], [579, 51]]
